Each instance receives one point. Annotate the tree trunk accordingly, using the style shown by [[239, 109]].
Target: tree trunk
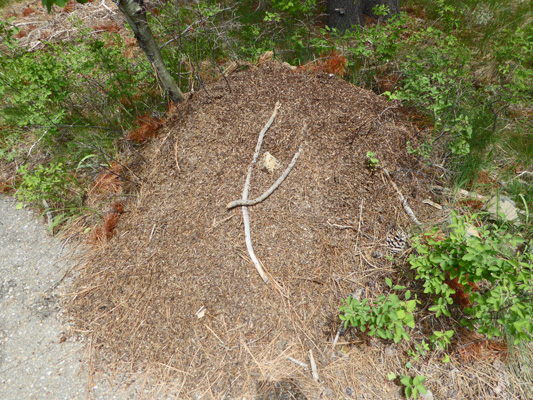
[[135, 14], [343, 14], [394, 7]]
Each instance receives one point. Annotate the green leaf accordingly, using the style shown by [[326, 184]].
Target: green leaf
[[19, 205], [391, 376], [418, 380], [387, 280]]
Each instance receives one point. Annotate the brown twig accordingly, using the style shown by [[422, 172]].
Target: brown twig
[[176, 155], [245, 215], [270, 190], [402, 200]]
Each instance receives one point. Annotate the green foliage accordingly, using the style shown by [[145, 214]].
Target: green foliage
[[421, 350], [66, 90], [412, 386], [387, 317], [441, 339], [295, 8], [372, 161], [381, 10], [60, 3], [505, 305], [50, 184], [195, 38], [71, 100]]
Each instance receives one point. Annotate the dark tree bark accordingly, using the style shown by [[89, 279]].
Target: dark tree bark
[[368, 5], [343, 14], [135, 14]]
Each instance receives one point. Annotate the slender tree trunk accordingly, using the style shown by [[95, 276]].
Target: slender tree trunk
[[135, 14]]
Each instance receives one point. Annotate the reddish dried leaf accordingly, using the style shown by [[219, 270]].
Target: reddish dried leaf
[[105, 230], [332, 63], [27, 11], [69, 7], [111, 28], [147, 129], [5, 187], [387, 82], [473, 346]]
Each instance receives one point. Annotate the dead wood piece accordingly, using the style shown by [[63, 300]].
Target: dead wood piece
[[245, 215], [460, 193], [407, 209], [298, 362], [270, 190], [176, 155], [432, 204], [313, 366]]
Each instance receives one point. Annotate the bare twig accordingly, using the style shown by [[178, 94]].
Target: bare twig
[[263, 197], [245, 214], [523, 173], [402, 200], [341, 226], [298, 362], [176, 155], [432, 204], [313, 366], [38, 140], [359, 224], [460, 193]]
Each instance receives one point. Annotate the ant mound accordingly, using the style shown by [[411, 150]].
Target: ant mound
[[176, 291]]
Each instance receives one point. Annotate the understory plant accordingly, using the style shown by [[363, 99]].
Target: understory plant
[[480, 271], [386, 317], [413, 386], [485, 266]]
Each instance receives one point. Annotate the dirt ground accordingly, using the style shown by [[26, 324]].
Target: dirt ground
[[175, 289]]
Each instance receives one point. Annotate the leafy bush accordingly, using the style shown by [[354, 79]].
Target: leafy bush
[[54, 184], [67, 91], [385, 317], [495, 276]]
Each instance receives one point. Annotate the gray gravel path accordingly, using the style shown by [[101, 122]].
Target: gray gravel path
[[33, 362]]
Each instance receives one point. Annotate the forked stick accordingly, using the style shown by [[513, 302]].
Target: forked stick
[[245, 214], [270, 190]]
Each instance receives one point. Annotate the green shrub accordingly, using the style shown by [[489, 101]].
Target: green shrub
[[386, 317], [504, 302]]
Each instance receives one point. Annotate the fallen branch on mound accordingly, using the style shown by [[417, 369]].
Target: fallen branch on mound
[[270, 190], [402, 200], [245, 214]]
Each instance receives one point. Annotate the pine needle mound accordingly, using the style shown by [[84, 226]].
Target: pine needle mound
[[179, 251]]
